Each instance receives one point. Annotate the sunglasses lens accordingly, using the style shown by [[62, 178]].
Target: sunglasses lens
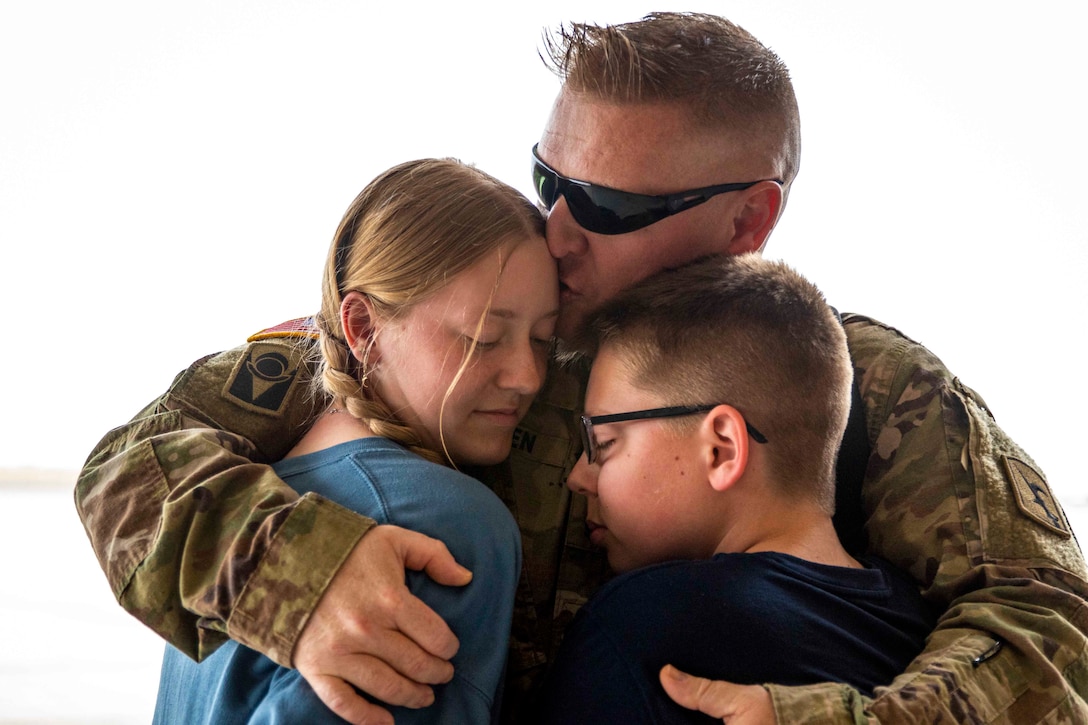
[[546, 185], [589, 215], [597, 209], [606, 211], [619, 212]]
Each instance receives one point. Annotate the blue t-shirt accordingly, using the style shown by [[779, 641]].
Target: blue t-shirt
[[382, 480], [745, 618]]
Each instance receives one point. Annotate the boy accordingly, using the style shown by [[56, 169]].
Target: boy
[[717, 399]]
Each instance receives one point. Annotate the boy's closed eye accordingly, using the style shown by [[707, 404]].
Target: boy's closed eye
[[602, 447]]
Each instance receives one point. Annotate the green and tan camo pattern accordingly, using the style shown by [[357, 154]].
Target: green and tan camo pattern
[[947, 497], [940, 503], [193, 531]]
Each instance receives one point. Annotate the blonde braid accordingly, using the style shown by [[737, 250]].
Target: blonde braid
[[344, 379]]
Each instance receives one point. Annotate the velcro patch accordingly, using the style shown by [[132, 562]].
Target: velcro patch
[[261, 379], [1034, 498], [298, 327]]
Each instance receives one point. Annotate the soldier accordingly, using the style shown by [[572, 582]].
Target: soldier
[[656, 129]]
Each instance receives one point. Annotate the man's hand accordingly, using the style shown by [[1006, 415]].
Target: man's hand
[[369, 631], [735, 704]]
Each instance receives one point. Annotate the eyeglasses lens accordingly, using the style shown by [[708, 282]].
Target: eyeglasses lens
[[588, 447]]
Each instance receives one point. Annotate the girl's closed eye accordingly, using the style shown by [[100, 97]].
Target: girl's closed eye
[[544, 343], [480, 345]]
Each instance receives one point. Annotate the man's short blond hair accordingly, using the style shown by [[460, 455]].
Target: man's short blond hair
[[723, 75], [751, 333]]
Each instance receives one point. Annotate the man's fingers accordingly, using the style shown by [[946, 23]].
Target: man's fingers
[[428, 633], [736, 704], [339, 697], [422, 553], [414, 618], [372, 676], [379, 680], [695, 693], [370, 631], [387, 649], [403, 654]]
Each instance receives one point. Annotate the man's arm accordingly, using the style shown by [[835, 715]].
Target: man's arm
[[193, 531], [201, 541], [951, 499]]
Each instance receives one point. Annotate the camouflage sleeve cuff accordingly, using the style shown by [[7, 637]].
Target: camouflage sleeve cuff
[[283, 591], [826, 704]]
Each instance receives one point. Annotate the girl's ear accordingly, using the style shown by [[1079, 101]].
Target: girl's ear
[[725, 446], [360, 326]]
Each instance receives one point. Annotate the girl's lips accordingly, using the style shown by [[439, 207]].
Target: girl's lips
[[502, 416]]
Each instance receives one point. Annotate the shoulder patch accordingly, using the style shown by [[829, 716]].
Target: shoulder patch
[[298, 327], [261, 379], [1034, 498]]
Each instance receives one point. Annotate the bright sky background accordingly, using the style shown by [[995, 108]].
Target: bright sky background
[[171, 175]]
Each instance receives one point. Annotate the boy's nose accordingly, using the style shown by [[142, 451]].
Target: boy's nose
[[583, 478]]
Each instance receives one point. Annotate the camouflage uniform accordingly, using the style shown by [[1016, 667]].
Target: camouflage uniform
[[201, 542]]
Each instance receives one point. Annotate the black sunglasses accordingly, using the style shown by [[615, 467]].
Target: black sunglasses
[[602, 210], [589, 440]]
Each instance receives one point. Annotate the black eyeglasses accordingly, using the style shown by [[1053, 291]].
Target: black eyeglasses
[[602, 210], [589, 440]]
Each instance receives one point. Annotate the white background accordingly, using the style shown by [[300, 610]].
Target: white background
[[171, 175]]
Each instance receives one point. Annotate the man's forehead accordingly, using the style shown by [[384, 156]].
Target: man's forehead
[[650, 148]]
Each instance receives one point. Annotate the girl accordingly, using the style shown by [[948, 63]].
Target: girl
[[438, 308]]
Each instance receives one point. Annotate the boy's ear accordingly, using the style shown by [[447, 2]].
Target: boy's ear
[[725, 446], [756, 217], [360, 326]]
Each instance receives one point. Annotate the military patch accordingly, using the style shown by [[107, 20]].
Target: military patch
[[1034, 498], [261, 379], [298, 327]]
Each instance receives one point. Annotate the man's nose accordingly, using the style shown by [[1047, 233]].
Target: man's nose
[[565, 236], [583, 478]]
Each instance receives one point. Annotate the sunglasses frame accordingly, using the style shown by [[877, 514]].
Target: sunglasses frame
[[589, 441], [584, 199]]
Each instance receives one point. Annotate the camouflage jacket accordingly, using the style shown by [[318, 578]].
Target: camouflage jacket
[[202, 542]]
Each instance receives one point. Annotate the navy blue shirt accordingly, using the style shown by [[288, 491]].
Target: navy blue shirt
[[746, 618]]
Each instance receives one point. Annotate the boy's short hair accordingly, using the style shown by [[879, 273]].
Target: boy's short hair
[[751, 333]]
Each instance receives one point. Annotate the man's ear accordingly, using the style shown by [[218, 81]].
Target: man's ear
[[756, 217], [725, 446], [360, 326]]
